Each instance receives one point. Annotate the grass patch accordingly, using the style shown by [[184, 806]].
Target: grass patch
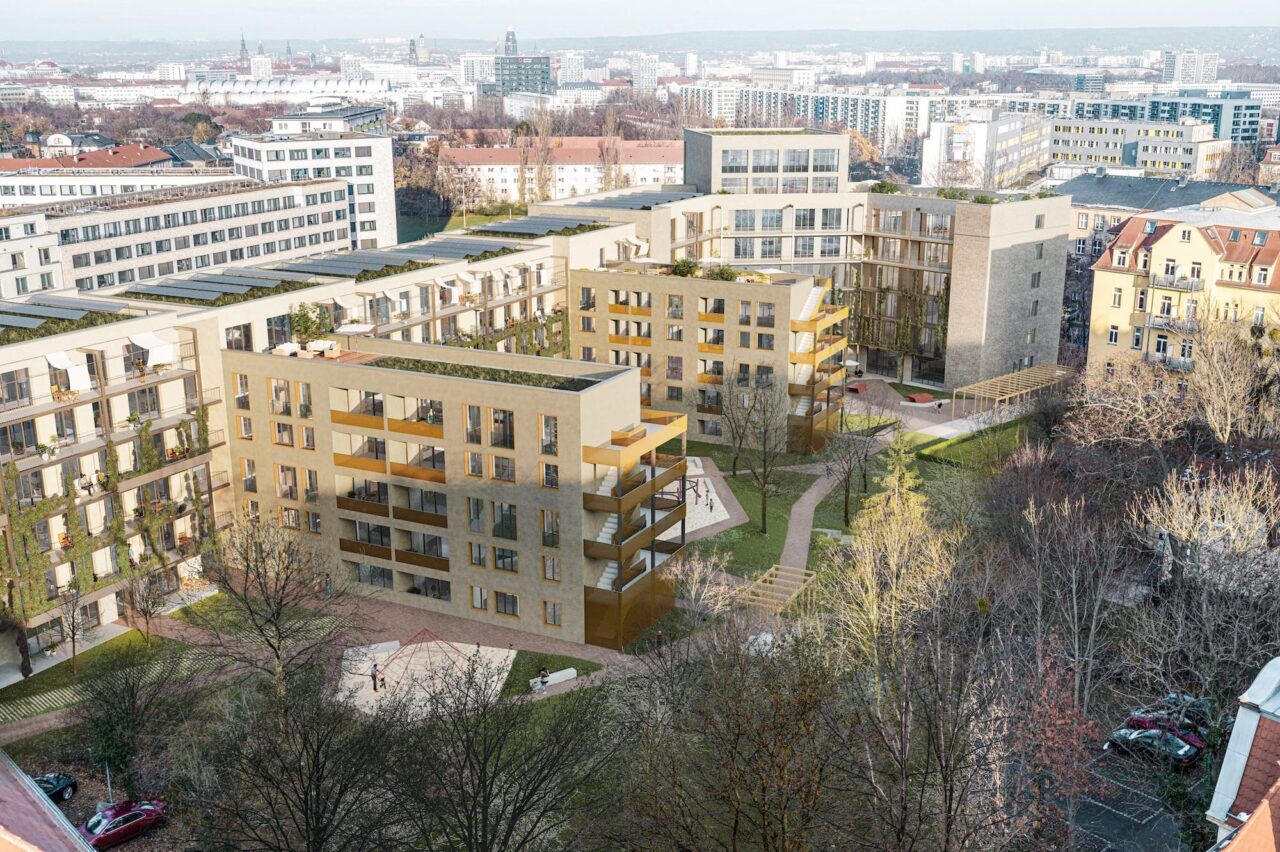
[[675, 625], [527, 663], [58, 676], [906, 389], [487, 374], [748, 551], [412, 228], [62, 745], [867, 424], [722, 455], [983, 450]]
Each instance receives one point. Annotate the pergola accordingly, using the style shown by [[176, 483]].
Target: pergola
[[778, 588], [1009, 388]]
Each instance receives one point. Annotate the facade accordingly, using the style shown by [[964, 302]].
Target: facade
[[522, 74], [23, 186], [351, 119], [1166, 271], [1189, 68], [697, 340], [364, 161], [1160, 149], [29, 257], [986, 151], [644, 73], [511, 174], [766, 161], [784, 78]]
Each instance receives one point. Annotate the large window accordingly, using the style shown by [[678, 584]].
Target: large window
[[744, 220], [506, 604], [502, 432], [733, 160], [795, 160], [826, 159], [764, 160]]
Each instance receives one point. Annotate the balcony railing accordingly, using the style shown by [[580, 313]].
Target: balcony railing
[[1181, 283]]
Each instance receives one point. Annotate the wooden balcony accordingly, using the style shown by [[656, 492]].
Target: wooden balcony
[[368, 507], [422, 560], [711, 378], [420, 428], [716, 318], [360, 463], [620, 339], [360, 421], [363, 548], [820, 322], [413, 471], [415, 516], [641, 341], [629, 499], [711, 348]]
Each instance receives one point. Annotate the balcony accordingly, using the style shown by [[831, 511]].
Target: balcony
[[711, 378], [362, 417], [821, 321], [416, 470], [373, 464], [417, 516], [1181, 283], [711, 317], [644, 482], [364, 548], [420, 427], [354, 502], [711, 348], [638, 536], [433, 562], [1189, 325], [1182, 365]]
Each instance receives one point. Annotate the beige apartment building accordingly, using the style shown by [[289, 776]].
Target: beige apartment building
[[697, 340], [914, 269], [1167, 271], [453, 478]]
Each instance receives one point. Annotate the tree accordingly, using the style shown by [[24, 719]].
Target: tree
[[277, 614], [134, 697], [1238, 165], [702, 581], [310, 322], [487, 769], [76, 626], [145, 596], [1234, 390], [298, 772], [768, 438], [737, 413], [846, 455], [610, 151], [544, 164]]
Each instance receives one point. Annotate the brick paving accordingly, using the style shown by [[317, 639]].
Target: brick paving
[[737, 516]]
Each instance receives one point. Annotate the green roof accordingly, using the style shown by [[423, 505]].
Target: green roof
[[485, 374]]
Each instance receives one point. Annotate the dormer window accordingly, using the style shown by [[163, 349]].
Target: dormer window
[[1234, 236], [1149, 227], [1260, 238], [1122, 257]]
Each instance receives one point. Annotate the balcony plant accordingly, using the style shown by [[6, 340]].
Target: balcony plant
[[310, 322]]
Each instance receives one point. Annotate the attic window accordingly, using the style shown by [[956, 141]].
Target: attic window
[[1234, 236], [1260, 238], [1149, 227]]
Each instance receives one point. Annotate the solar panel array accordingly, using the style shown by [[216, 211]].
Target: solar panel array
[[536, 226], [642, 200], [448, 248], [20, 322], [74, 303], [41, 311]]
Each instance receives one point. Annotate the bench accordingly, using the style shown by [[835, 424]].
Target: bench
[[857, 387], [920, 397], [554, 678]]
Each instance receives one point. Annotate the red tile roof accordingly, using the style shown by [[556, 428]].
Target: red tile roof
[[1262, 770], [119, 157], [1261, 831]]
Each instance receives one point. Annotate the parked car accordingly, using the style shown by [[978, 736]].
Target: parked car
[[1197, 711], [1154, 744], [123, 821], [57, 786], [1164, 721]]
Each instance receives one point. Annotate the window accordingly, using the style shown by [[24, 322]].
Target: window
[[826, 160], [473, 427], [506, 604], [795, 160], [804, 247], [764, 341], [551, 476], [1113, 335], [1137, 338], [830, 247], [479, 598], [744, 339], [313, 521], [804, 219], [505, 559], [549, 427], [744, 220], [1116, 296], [244, 428], [551, 568], [478, 555], [308, 437], [1035, 307], [552, 613], [282, 434], [1082, 221], [475, 464], [290, 518], [733, 161], [744, 248], [831, 218], [249, 475], [1035, 280], [1259, 315], [286, 482], [1039, 221], [504, 468], [502, 431], [764, 160]]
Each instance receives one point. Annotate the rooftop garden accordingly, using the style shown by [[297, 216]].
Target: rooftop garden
[[409, 266], [233, 298], [568, 231], [484, 374], [50, 327]]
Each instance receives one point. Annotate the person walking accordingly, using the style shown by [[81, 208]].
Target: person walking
[[373, 675], [543, 677]]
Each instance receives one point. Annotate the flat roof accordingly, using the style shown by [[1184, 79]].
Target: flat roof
[[44, 316], [642, 199], [761, 131], [125, 201], [1147, 193], [541, 226], [508, 376], [335, 112]]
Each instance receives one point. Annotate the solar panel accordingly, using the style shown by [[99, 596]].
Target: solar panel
[[41, 311], [275, 275], [213, 286], [320, 268], [242, 280], [76, 304], [538, 226], [158, 290], [20, 322]]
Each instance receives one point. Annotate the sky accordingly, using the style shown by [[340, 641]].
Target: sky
[[533, 19]]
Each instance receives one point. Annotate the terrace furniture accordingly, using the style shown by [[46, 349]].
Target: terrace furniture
[[286, 349]]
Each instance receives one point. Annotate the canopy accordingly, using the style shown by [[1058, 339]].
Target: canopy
[[77, 373], [161, 351]]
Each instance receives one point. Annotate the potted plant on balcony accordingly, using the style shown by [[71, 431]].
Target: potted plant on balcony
[[46, 452], [310, 322]]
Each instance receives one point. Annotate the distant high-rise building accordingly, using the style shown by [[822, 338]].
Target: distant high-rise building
[[1189, 67], [644, 73], [476, 68], [957, 63], [288, 50], [691, 65], [413, 52], [351, 67], [171, 72], [1091, 83], [572, 68], [509, 46], [522, 74], [261, 52], [979, 64]]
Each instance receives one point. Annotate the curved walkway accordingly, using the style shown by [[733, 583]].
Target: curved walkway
[[795, 550]]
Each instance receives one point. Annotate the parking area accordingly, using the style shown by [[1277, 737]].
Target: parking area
[[1125, 812]]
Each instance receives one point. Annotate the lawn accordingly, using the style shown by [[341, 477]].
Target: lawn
[[216, 611], [983, 450], [58, 676], [867, 424], [675, 625], [527, 663], [722, 455], [906, 389], [748, 551], [411, 228]]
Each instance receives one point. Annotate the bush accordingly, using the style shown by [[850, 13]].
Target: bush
[[722, 273], [685, 268], [952, 193], [985, 199], [885, 187]]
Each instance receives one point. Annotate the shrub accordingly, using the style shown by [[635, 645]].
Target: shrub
[[722, 273], [685, 268], [886, 187], [952, 193]]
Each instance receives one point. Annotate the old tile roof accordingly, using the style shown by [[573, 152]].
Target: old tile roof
[[1261, 831], [119, 157], [1122, 192]]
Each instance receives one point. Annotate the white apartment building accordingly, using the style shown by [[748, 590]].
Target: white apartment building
[[261, 68], [986, 151], [362, 160], [128, 239], [784, 78], [476, 68], [351, 67], [1186, 149], [28, 255], [352, 119], [171, 72], [500, 173], [1189, 67], [44, 186], [644, 73], [572, 68]]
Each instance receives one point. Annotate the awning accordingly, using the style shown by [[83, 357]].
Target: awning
[[354, 328], [77, 373], [467, 278], [161, 351], [352, 302]]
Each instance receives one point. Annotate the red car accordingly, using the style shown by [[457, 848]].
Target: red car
[[1157, 720], [123, 821]]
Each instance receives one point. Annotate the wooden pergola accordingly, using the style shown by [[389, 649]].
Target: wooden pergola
[[778, 588], [1009, 388]]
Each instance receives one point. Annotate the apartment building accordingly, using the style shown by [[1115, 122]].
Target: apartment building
[[1186, 149], [521, 74], [696, 340], [984, 150], [362, 160], [1189, 67], [1166, 271], [23, 185], [577, 166], [29, 256], [347, 119], [942, 292], [122, 239], [766, 161]]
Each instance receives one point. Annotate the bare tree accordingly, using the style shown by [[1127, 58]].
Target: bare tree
[[145, 596], [702, 581], [769, 437], [1233, 389], [737, 412], [487, 769], [76, 626], [846, 455], [544, 163], [281, 606], [1238, 165]]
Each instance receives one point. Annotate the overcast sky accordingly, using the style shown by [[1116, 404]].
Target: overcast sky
[[319, 19]]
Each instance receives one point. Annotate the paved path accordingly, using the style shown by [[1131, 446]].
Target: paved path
[[20, 730], [737, 515], [795, 550]]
